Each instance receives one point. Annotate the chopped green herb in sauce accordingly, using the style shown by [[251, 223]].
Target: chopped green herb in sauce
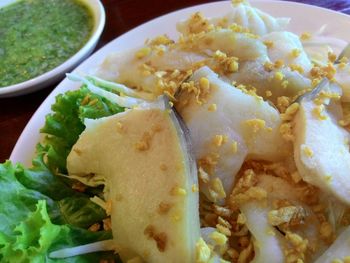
[[38, 35]]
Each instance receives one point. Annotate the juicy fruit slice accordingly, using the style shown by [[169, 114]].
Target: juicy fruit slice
[[321, 151], [149, 176]]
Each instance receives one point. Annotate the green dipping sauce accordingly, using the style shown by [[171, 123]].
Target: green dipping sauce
[[38, 35]]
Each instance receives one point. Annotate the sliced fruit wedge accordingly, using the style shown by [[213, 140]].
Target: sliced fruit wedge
[[142, 156]]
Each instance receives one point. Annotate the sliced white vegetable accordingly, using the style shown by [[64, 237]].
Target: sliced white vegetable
[[235, 116], [239, 45], [125, 68], [323, 36], [284, 44], [119, 88], [127, 102], [104, 245], [338, 250], [342, 77], [317, 52], [98, 201], [321, 150], [243, 14], [265, 81], [335, 211], [280, 189], [205, 233], [268, 245]]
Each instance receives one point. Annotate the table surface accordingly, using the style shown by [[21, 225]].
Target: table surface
[[122, 15]]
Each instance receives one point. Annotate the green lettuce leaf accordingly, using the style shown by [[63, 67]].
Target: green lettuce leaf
[[80, 212], [41, 179], [71, 207], [26, 229], [17, 201], [39, 210], [33, 238], [65, 124]]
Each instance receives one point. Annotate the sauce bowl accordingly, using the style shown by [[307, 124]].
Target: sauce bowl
[[57, 73]]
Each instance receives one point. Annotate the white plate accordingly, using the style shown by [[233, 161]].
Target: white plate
[[303, 18], [57, 73]]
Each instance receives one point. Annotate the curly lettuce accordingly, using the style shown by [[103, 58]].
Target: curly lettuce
[[39, 210], [64, 125], [30, 238], [27, 233], [68, 206]]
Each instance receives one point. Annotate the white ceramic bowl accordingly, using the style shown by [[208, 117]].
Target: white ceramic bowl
[[57, 73]]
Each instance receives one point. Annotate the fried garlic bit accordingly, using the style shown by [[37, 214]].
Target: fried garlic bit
[[292, 215]]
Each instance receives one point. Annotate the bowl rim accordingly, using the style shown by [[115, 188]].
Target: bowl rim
[[99, 18]]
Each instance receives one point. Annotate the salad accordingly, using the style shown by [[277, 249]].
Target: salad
[[228, 144]]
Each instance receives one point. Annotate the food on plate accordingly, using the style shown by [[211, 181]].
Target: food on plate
[[287, 48], [339, 249], [343, 80], [322, 161], [227, 144], [142, 157], [241, 13], [225, 137], [37, 36]]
